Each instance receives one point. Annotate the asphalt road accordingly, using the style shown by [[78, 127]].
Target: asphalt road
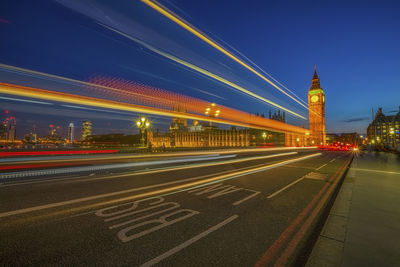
[[232, 209]]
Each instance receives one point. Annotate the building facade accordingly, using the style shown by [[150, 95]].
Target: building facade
[[384, 130], [86, 129], [316, 114], [203, 135]]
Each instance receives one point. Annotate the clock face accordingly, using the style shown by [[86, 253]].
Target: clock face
[[314, 98]]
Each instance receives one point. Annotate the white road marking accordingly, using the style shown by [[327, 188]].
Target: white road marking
[[369, 170], [332, 160], [320, 167], [153, 205], [228, 190], [162, 222], [284, 188], [188, 242], [173, 206], [78, 200], [247, 198], [223, 190], [189, 186], [206, 189]]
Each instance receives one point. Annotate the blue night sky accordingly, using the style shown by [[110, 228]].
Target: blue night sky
[[355, 45]]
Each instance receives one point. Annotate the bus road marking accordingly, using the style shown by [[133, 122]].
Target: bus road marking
[[223, 190], [155, 205]]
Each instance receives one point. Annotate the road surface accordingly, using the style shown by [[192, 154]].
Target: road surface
[[236, 208]]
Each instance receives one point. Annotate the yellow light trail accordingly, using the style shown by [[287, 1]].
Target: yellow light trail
[[108, 104], [207, 73], [186, 26], [52, 76]]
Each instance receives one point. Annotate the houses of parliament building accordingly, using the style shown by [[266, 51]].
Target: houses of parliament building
[[207, 135]]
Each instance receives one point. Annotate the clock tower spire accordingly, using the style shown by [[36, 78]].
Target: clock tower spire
[[316, 113]]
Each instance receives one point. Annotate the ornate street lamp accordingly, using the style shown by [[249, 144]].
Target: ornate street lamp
[[212, 111], [142, 124]]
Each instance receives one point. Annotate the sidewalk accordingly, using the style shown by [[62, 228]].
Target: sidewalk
[[363, 227]]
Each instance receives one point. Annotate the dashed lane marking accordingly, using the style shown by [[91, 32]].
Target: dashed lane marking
[[255, 193], [284, 188], [320, 167]]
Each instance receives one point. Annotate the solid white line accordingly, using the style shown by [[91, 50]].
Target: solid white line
[[332, 160], [188, 242], [286, 187], [321, 166]]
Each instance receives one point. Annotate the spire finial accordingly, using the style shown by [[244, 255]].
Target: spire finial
[[315, 80], [315, 76]]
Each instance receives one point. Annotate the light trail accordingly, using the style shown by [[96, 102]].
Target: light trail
[[261, 70], [62, 152], [58, 159], [95, 168], [156, 6], [186, 185], [43, 75], [204, 72], [25, 100], [232, 117]]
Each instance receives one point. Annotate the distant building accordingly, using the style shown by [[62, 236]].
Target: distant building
[[178, 124], [349, 138], [8, 129], [331, 138], [277, 116], [71, 133], [212, 137], [3, 132], [30, 138], [12, 132], [86, 129], [316, 105], [384, 130]]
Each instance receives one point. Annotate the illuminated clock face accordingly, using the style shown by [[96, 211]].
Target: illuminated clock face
[[314, 98]]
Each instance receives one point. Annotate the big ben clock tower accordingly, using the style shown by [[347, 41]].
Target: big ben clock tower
[[316, 113]]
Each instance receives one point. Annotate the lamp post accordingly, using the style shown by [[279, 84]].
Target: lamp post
[[142, 124], [264, 135], [212, 111]]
